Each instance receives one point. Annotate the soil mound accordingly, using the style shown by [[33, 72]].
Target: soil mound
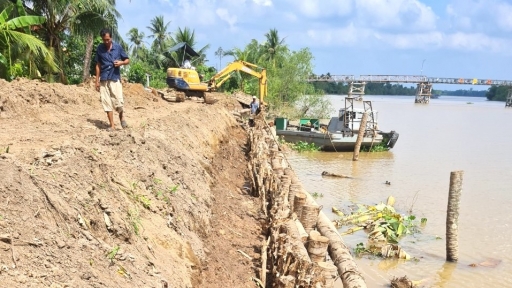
[[158, 203]]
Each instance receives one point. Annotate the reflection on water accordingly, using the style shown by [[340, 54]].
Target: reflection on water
[[446, 135]]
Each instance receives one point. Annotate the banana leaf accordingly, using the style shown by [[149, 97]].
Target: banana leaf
[[24, 21], [5, 14]]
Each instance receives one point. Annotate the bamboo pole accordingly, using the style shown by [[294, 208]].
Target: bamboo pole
[[360, 136], [452, 216]]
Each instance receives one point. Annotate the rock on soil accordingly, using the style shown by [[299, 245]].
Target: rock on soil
[[159, 204]]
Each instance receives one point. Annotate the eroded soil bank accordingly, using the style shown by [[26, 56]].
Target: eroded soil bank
[[159, 204]]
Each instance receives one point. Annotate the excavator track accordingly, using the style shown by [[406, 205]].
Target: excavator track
[[172, 95], [209, 99]]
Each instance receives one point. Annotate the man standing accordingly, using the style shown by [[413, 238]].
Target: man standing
[[254, 109], [109, 57], [254, 105]]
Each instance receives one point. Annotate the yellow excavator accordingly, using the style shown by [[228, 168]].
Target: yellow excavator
[[187, 83], [246, 67]]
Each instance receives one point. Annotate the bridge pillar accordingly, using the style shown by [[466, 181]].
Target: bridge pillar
[[509, 98], [356, 90], [423, 92]]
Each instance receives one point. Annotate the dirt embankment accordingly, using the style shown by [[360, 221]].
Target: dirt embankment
[[160, 204]]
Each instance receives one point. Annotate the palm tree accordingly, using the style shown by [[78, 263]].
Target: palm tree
[[137, 38], [188, 36], [78, 17], [251, 54], [16, 43], [220, 53], [273, 45], [159, 30], [91, 19]]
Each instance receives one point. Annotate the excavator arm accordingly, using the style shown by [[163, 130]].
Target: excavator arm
[[218, 79]]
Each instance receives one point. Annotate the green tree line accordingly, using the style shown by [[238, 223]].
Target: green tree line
[[497, 93], [370, 88]]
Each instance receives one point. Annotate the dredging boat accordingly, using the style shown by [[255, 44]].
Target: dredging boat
[[341, 133]]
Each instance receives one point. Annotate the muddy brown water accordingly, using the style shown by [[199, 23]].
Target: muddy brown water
[[446, 135]]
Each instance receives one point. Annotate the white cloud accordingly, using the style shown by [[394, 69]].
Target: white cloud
[[397, 14], [291, 17], [503, 16], [346, 36], [323, 8], [438, 40], [480, 15], [225, 16], [263, 2]]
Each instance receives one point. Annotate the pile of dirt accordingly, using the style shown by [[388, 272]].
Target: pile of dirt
[[160, 204]]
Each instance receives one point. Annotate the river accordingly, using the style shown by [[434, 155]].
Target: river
[[449, 134]]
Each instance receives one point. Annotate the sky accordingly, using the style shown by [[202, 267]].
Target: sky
[[437, 38]]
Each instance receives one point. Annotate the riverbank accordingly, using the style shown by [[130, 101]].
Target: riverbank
[[160, 203]]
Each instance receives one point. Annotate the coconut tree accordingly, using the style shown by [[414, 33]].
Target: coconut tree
[[188, 36], [160, 34], [220, 53], [137, 40], [82, 18], [18, 45], [273, 46], [89, 20], [252, 54]]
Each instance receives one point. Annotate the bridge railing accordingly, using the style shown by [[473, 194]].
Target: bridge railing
[[393, 78], [332, 78], [406, 79]]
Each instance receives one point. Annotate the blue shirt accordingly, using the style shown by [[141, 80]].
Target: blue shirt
[[254, 107], [106, 60]]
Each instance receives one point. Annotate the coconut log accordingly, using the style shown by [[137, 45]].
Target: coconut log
[[338, 251], [302, 232], [298, 246]]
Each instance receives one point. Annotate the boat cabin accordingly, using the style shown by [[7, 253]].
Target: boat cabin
[[348, 121]]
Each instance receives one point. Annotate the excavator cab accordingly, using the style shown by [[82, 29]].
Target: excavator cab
[[185, 80]]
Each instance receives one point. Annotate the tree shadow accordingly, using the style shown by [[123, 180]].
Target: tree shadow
[[98, 123]]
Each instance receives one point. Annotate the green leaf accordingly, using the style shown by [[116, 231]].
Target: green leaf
[[423, 220], [22, 12], [400, 230], [394, 225], [21, 9], [5, 14], [3, 60], [25, 21]]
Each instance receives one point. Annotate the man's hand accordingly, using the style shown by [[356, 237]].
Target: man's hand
[[98, 86], [118, 63]]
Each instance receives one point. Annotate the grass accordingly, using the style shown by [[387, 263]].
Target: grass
[[161, 191], [302, 146], [112, 253], [142, 199], [317, 195], [381, 147], [134, 219]]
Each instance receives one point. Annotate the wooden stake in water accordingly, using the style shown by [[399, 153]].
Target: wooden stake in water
[[360, 136], [452, 216]]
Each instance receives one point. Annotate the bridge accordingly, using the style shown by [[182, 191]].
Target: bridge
[[423, 83]]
